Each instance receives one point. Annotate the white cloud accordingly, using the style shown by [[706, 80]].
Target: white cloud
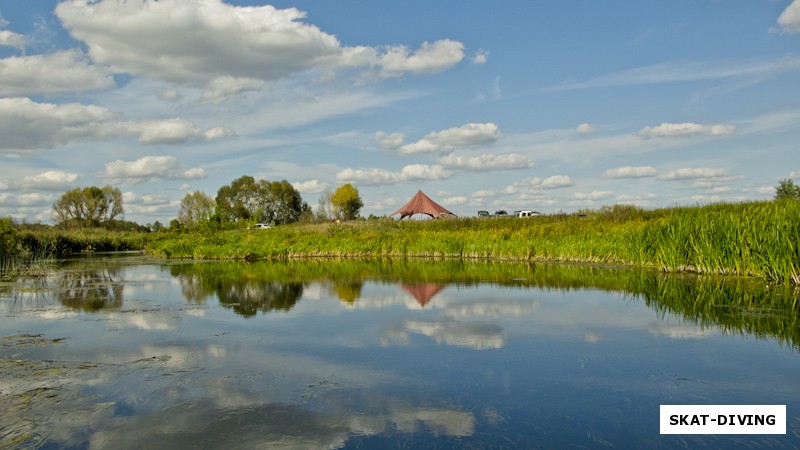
[[430, 58], [170, 131], [481, 56], [789, 20], [11, 39], [229, 49], [455, 201], [554, 182], [688, 173], [62, 72], [412, 172], [27, 125], [637, 199], [630, 172], [51, 180], [685, 129], [390, 141], [594, 195], [25, 200], [148, 168], [471, 135], [557, 182], [310, 186], [486, 162], [586, 128]]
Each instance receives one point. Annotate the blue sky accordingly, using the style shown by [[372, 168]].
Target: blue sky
[[551, 106]]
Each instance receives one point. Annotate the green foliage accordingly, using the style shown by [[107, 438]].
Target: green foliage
[[247, 201], [196, 207], [88, 207], [787, 190], [9, 237], [347, 202], [757, 239]]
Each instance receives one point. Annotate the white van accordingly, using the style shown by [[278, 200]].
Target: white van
[[523, 214]]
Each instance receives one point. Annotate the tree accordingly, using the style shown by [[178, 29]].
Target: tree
[[260, 201], [346, 202], [325, 207], [786, 189], [196, 207], [91, 206]]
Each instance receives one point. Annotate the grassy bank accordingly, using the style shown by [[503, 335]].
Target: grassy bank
[[757, 239]]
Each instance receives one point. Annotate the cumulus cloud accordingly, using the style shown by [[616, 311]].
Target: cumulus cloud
[[51, 180], [688, 173], [486, 162], [310, 186], [61, 72], [554, 182], [11, 39], [630, 172], [28, 125], [586, 128], [412, 172], [557, 182], [481, 56], [430, 58], [390, 141], [26, 200], [228, 48], [148, 168], [685, 129], [471, 135], [594, 195], [789, 20]]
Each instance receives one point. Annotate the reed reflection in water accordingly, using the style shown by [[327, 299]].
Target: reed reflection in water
[[388, 354]]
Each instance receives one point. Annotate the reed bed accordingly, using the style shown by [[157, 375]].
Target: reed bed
[[756, 239]]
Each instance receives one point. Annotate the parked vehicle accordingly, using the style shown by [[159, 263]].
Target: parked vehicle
[[483, 213], [501, 213], [526, 213], [262, 226]]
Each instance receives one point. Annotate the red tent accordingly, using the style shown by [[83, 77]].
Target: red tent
[[421, 204], [423, 292]]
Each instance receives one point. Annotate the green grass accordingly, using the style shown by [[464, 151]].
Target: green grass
[[759, 239], [755, 239]]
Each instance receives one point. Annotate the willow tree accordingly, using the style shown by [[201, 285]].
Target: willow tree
[[195, 208], [246, 199], [90, 206]]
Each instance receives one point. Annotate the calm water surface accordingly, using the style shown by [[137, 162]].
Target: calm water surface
[[130, 352]]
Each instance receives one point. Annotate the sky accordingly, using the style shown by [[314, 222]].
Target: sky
[[552, 106]]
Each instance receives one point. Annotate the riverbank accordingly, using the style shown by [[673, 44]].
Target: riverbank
[[759, 239]]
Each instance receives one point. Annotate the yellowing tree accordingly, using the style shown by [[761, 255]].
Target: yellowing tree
[[347, 202]]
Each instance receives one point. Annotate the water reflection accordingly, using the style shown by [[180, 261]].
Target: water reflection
[[90, 290], [735, 305], [388, 354]]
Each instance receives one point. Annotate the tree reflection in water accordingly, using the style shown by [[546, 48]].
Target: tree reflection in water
[[736, 305], [90, 290]]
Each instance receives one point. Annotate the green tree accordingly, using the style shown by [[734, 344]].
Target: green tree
[[196, 207], [786, 189], [9, 237], [246, 199], [347, 202], [91, 206]]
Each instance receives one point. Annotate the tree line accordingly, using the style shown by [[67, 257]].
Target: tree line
[[243, 202]]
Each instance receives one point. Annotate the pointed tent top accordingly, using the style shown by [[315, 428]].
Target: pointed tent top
[[421, 204]]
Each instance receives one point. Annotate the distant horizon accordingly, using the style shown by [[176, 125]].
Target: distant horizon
[[550, 107]]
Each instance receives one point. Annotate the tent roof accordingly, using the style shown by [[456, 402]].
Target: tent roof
[[421, 204], [423, 292]]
